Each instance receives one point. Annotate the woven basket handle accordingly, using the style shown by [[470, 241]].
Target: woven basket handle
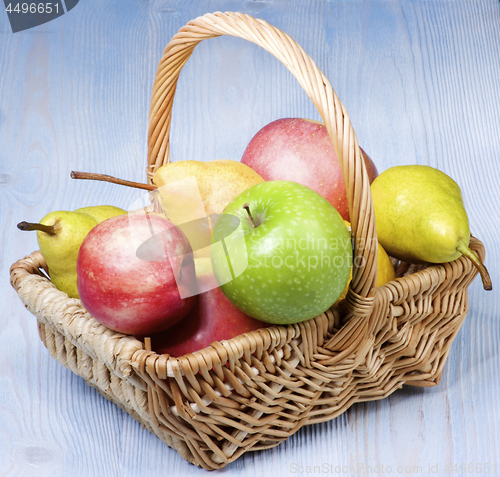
[[321, 93]]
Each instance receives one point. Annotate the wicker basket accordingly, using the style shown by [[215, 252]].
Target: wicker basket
[[254, 391]]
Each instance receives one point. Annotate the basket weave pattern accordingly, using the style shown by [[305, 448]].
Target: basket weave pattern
[[254, 391]]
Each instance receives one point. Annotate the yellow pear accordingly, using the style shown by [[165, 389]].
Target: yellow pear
[[219, 181], [189, 191], [385, 268], [60, 234], [421, 217]]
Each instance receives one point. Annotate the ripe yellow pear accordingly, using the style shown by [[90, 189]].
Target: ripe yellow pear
[[219, 181], [60, 234], [385, 268], [101, 212], [420, 217]]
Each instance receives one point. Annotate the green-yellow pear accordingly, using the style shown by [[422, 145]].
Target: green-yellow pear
[[219, 182], [101, 212], [60, 234], [420, 217]]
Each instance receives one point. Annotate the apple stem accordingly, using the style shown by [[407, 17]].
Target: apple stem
[[247, 208], [103, 177], [485, 276], [48, 229]]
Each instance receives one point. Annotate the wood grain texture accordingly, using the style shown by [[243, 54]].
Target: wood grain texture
[[421, 83]]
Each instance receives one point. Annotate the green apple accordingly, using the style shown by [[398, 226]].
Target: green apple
[[292, 259]]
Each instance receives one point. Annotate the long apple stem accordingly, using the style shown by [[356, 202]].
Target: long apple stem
[[485, 276], [247, 208], [103, 177], [48, 229]]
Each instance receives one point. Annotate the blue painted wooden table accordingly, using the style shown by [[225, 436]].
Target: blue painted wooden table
[[421, 82]]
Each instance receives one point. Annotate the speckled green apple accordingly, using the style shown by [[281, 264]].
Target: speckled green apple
[[298, 250]]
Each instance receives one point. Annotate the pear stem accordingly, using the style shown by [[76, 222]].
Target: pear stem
[[48, 229], [105, 178], [485, 276], [247, 208]]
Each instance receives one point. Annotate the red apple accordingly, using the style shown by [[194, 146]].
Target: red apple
[[129, 294], [300, 150], [213, 318]]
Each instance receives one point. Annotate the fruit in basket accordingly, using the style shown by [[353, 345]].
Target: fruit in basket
[[101, 212], [213, 318], [301, 150], [60, 234], [385, 268], [420, 217], [218, 182], [129, 294], [298, 251]]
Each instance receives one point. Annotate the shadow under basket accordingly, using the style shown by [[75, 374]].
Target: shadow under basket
[[253, 391]]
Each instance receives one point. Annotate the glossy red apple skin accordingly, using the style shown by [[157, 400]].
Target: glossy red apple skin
[[300, 150], [213, 318], [123, 292]]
